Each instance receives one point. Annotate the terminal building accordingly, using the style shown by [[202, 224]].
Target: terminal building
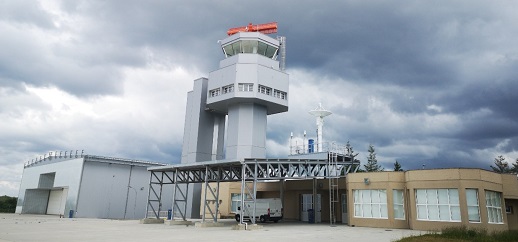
[[417, 199]]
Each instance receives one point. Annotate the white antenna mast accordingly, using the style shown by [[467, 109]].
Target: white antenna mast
[[320, 113]]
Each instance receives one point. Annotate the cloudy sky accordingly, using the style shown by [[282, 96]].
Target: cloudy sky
[[425, 82]]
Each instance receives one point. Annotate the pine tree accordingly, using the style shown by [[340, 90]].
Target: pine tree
[[350, 151], [515, 166], [501, 166], [350, 154], [397, 166], [372, 162]]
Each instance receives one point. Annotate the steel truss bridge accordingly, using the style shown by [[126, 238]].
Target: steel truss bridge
[[248, 172]]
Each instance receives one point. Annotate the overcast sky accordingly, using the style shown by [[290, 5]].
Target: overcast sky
[[425, 82]]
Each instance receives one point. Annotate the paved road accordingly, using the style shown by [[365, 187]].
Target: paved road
[[14, 227]]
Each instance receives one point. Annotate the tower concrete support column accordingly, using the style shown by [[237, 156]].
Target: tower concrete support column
[[218, 137], [203, 137], [246, 135]]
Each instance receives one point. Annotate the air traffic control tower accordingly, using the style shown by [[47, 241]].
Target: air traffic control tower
[[249, 85]]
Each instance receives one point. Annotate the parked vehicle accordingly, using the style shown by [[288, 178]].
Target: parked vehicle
[[266, 209]]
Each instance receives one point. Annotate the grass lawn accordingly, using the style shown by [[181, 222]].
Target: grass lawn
[[465, 235]]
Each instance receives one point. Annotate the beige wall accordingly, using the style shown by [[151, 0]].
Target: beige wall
[[379, 180], [510, 183], [460, 179], [512, 217]]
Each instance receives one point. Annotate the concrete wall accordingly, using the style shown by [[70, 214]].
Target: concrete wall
[[199, 126], [246, 137]]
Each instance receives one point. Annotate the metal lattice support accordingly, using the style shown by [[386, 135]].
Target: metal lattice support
[[179, 204], [248, 194], [248, 172], [154, 198], [214, 199]]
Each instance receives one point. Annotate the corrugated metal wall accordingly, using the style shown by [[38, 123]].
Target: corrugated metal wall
[[113, 191], [36, 201]]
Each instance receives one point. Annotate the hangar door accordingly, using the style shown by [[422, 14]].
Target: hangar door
[[57, 201]]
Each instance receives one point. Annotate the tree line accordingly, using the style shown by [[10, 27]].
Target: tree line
[[502, 166], [7, 204], [372, 162]]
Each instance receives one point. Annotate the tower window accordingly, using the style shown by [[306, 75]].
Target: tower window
[[264, 90], [280, 94], [246, 87], [250, 47], [228, 88], [214, 92]]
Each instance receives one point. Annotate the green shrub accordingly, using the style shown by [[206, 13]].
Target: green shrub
[[7, 204]]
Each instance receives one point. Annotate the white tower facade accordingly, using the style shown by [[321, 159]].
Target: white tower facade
[[248, 86], [320, 113]]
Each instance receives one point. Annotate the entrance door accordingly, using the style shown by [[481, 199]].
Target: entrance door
[[57, 200], [307, 204], [345, 218]]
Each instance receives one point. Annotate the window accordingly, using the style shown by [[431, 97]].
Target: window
[[264, 90], [508, 209], [228, 89], [236, 201], [494, 207], [214, 92], [370, 203], [472, 201], [245, 87], [438, 205], [399, 207], [250, 47], [280, 94]]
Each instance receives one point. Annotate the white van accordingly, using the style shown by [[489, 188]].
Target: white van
[[266, 209]]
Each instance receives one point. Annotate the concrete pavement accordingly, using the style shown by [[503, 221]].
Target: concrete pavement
[[14, 227]]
